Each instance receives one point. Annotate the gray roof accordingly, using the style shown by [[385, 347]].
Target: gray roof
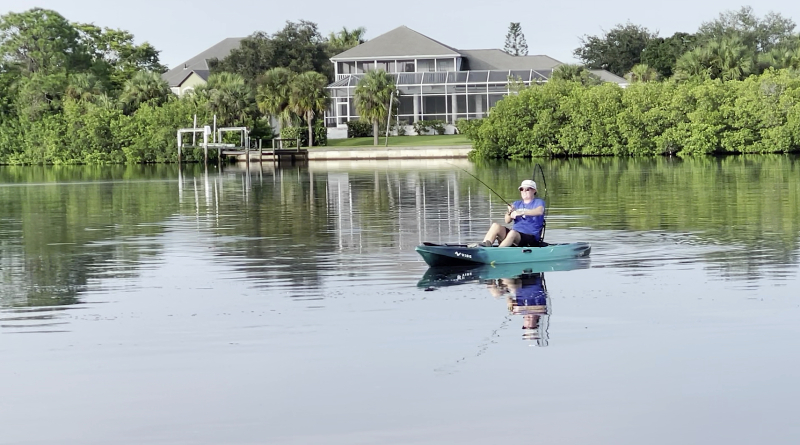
[[398, 43], [608, 76], [495, 59], [199, 63]]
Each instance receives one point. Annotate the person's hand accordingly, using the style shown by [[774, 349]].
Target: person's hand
[[510, 210]]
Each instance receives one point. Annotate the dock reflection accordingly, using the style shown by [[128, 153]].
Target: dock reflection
[[521, 286]]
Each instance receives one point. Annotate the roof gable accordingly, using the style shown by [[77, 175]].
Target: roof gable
[[199, 63], [399, 42]]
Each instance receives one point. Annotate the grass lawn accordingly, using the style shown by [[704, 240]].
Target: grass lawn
[[402, 141]]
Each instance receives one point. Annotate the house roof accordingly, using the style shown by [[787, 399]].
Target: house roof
[[495, 59], [199, 63], [398, 43], [608, 76]]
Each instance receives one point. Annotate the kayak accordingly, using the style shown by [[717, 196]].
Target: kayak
[[452, 275], [460, 254]]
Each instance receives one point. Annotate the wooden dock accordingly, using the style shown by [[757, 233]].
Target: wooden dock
[[267, 154]]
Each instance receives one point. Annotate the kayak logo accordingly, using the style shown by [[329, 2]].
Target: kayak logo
[[465, 255]]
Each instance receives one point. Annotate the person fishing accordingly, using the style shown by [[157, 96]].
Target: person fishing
[[528, 217]]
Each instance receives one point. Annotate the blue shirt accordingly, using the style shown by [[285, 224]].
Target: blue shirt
[[532, 292], [532, 225]]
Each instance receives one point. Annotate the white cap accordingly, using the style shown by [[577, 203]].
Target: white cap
[[528, 184]]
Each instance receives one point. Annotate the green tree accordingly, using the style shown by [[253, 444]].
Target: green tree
[[230, 98], [372, 96], [515, 40], [662, 54], [298, 47], [144, 87], [758, 34], [575, 73], [115, 56], [309, 98], [641, 73], [785, 55], [273, 92], [40, 41], [345, 39], [84, 86], [39, 94], [617, 50], [726, 58]]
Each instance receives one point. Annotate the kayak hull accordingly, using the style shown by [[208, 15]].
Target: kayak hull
[[460, 255]]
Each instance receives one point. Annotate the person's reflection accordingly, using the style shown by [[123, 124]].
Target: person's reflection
[[526, 295]]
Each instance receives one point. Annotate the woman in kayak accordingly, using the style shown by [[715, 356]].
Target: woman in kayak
[[528, 217]]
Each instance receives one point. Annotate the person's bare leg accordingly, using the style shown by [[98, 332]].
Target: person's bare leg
[[495, 232], [511, 239]]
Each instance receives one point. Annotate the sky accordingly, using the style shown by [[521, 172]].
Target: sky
[[182, 29]]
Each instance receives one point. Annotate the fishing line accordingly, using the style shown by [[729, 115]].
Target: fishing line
[[484, 184]]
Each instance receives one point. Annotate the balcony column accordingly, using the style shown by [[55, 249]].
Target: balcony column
[[417, 99]]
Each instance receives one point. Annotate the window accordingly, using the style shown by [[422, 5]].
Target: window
[[406, 106], [363, 67], [477, 105], [383, 65], [405, 66], [426, 65], [494, 98], [445, 65], [347, 67]]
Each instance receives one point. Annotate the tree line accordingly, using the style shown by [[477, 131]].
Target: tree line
[[79, 93], [700, 116], [731, 47]]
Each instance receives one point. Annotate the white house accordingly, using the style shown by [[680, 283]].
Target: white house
[[435, 81]]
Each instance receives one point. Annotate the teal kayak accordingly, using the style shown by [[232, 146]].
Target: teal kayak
[[461, 255], [451, 275]]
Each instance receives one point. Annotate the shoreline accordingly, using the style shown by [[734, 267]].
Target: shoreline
[[373, 153]]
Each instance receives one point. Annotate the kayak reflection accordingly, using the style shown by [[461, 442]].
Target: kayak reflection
[[521, 285]]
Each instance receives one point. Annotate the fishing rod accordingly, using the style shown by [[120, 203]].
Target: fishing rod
[[484, 184], [544, 181]]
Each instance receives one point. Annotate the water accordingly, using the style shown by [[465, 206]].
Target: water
[[287, 306]]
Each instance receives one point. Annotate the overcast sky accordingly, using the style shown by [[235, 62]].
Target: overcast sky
[[182, 29]]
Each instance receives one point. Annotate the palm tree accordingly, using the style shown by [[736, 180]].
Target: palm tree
[[642, 73], [84, 86], [575, 73], [780, 58], [273, 92], [346, 39], [144, 87], [725, 58], [372, 96], [732, 59], [693, 63], [309, 97], [230, 98]]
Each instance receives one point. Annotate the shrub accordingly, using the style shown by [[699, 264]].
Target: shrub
[[422, 127], [469, 127], [320, 135], [359, 129]]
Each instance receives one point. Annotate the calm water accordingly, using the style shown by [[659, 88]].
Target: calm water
[[147, 305]]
